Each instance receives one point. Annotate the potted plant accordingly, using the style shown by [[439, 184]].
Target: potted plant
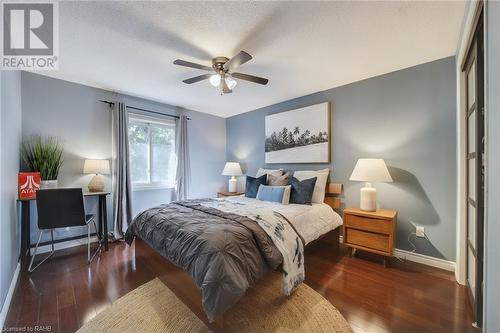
[[43, 155]]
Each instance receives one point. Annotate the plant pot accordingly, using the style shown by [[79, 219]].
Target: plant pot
[[49, 183]]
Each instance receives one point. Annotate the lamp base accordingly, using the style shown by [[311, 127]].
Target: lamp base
[[368, 198], [232, 184], [96, 184]]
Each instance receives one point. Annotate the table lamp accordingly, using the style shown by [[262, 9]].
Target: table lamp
[[370, 170], [99, 168], [232, 169]]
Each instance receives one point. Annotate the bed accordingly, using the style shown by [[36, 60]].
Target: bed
[[218, 243]]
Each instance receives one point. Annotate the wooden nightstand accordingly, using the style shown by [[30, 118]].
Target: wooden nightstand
[[223, 194], [370, 231]]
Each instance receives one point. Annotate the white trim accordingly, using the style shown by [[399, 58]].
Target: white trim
[[8, 298], [63, 245], [461, 227], [425, 260], [421, 259], [489, 281], [151, 186]]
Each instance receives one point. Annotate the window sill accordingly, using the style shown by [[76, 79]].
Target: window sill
[[151, 187]]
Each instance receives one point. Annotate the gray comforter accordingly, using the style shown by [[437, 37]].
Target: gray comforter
[[224, 253]]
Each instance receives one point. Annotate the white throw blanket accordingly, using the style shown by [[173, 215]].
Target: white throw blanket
[[281, 232]]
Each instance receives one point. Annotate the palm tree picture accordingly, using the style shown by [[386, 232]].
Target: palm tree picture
[[299, 136]]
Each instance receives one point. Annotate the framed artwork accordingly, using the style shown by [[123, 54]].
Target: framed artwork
[[299, 136]]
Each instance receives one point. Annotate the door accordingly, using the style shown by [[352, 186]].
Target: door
[[474, 73]]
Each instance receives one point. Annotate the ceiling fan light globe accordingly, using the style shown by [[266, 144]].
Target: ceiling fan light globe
[[215, 80], [231, 83]]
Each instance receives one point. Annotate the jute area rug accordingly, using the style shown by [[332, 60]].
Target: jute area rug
[[153, 307]]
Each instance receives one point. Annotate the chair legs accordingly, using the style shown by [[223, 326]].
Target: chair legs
[[30, 269], [90, 258]]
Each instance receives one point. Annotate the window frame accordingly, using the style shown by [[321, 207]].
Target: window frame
[[162, 121]]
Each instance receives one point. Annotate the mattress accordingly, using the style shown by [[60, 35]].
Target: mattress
[[310, 221]]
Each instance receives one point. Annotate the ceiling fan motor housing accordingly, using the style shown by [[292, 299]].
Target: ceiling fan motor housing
[[218, 63]]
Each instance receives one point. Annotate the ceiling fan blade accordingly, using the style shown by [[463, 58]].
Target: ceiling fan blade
[[197, 78], [192, 65], [237, 61], [251, 78]]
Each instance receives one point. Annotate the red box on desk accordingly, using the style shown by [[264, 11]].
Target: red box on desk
[[28, 184]]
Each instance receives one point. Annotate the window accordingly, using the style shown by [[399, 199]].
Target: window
[[152, 152]]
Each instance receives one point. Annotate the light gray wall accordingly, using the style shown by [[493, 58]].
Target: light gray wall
[[492, 225], [10, 133], [73, 113], [406, 117]]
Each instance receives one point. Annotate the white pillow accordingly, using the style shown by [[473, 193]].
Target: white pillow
[[319, 188], [274, 172], [265, 193]]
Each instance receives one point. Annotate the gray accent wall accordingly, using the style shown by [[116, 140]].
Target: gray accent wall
[[73, 113], [406, 117], [10, 139], [492, 221]]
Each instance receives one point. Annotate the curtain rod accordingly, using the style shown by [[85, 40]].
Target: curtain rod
[[133, 107]]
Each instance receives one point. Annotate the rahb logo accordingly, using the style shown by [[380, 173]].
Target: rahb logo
[[30, 36]]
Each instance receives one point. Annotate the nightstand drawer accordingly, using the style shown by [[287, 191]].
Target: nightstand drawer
[[369, 224], [367, 239]]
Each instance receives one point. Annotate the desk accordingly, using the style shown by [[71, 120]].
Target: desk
[[25, 224]]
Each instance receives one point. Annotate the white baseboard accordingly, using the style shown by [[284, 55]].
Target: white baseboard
[[425, 260], [64, 245], [8, 298], [421, 259]]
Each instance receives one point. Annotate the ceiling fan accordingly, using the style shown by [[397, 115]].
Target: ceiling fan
[[224, 77]]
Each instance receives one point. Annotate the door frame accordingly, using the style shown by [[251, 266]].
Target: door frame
[[476, 48], [471, 19]]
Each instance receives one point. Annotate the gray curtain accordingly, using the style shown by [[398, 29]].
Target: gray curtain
[[183, 175], [122, 190]]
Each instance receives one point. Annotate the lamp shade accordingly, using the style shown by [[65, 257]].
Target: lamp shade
[[96, 166], [371, 170], [232, 169]]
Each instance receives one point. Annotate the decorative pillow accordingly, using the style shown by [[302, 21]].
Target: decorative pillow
[[302, 191], [319, 189], [278, 180], [274, 172], [279, 194], [252, 185]]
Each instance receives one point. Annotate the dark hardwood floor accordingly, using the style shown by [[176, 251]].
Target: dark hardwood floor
[[66, 292]]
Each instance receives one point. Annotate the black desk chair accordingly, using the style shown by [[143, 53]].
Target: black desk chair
[[62, 208]]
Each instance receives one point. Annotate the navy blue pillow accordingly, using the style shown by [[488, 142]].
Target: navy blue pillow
[[302, 191], [253, 184]]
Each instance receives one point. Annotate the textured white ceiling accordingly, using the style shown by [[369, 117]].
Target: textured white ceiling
[[301, 47]]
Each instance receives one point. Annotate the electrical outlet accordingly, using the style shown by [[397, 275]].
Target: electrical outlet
[[420, 231]]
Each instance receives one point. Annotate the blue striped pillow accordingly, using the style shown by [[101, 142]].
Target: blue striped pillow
[[279, 194]]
